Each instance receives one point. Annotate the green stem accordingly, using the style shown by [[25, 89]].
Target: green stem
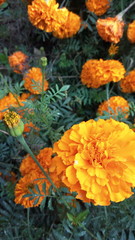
[[120, 15], [107, 90], [26, 147], [28, 223], [90, 233]]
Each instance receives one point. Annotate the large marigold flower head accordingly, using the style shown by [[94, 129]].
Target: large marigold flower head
[[98, 160], [28, 165], [131, 32], [98, 7], [42, 14], [33, 80], [127, 84], [18, 61], [96, 73], [67, 25], [110, 29], [27, 183], [115, 105]]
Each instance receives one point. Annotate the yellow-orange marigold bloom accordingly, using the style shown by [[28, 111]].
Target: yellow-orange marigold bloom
[[44, 157], [18, 61], [98, 160], [33, 81], [23, 187], [113, 49], [2, 1], [98, 7], [110, 29], [42, 14], [96, 73], [115, 105], [67, 25], [131, 32], [127, 84]]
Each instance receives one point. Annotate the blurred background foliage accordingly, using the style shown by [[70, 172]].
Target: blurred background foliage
[[67, 102]]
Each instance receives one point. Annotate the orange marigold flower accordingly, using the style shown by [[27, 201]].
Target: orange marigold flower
[[98, 7], [127, 84], [10, 100], [110, 29], [67, 25], [114, 106], [18, 61], [44, 157], [29, 126], [2, 1], [131, 32], [23, 187], [98, 160], [33, 81], [96, 73], [113, 49], [42, 14]]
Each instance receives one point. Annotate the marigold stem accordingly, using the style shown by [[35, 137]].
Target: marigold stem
[[120, 15], [90, 233], [26, 147]]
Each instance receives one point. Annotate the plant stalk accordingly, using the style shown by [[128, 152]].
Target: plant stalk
[[26, 147]]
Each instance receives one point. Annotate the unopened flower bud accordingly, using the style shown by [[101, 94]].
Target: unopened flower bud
[[44, 61], [14, 123]]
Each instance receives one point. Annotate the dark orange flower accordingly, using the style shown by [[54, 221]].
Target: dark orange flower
[[96, 160], [110, 29], [96, 73], [29, 126], [33, 81], [10, 100], [23, 187], [42, 14], [115, 105], [131, 32], [67, 24], [44, 157], [127, 84], [98, 7], [18, 61], [2, 1]]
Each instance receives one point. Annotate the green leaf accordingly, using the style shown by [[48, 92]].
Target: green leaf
[[65, 88]]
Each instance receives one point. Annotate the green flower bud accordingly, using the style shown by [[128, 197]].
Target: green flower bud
[[14, 123], [44, 61]]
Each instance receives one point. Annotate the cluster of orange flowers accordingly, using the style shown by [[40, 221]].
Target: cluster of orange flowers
[[46, 16], [114, 106], [96, 73], [32, 176], [96, 159], [33, 77]]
